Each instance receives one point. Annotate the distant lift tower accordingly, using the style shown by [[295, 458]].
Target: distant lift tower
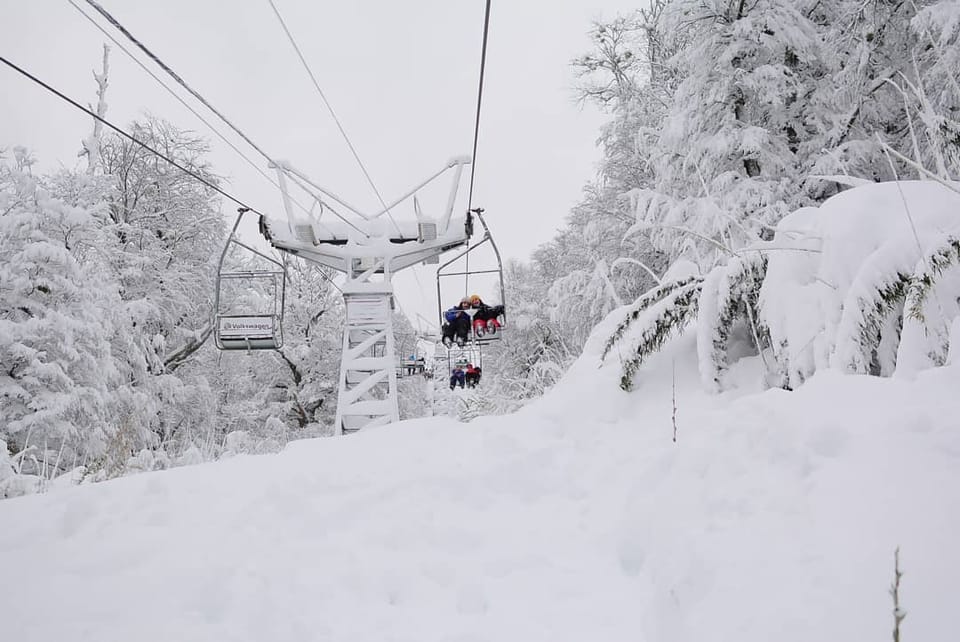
[[369, 250]]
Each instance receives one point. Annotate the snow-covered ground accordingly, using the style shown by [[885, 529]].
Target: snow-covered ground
[[774, 516]]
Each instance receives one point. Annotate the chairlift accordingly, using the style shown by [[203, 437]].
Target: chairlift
[[243, 327], [413, 365], [466, 273], [462, 357]]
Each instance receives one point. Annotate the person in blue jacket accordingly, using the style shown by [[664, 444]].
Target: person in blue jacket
[[457, 326]]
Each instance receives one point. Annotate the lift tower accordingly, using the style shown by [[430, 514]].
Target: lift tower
[[369, 251]]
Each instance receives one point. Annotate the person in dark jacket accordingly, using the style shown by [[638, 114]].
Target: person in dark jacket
[[472, 376], [457, 377], [457, 326], [487, 318]]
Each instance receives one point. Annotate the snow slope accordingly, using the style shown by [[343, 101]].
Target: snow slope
[[774, 516]]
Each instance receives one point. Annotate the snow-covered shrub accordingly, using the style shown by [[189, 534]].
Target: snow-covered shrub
[[839, 277], [646, 300], [646, 333], [191, 457], [931, 303], [728, 303], [476, 404], [146, 461], [934, 265], [270, 439], [534, 350], [872, 313], [866, 283], [12, 483]]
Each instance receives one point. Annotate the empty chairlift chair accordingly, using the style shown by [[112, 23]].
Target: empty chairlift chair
[[249, 303]]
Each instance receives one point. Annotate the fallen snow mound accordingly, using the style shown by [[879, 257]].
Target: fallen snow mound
[[774, 516], [831, 267]]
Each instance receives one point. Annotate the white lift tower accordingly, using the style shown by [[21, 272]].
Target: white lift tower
[[369, 251]]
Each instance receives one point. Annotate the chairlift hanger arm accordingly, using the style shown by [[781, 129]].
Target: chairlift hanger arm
[[226, 246], [232, 239], [258, 253], [486, 232], [488, 237], [461, 255]]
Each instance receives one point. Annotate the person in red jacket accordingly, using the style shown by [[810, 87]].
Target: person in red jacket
[[472, 376]]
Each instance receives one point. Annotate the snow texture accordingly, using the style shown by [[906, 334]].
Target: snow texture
[[774, 516]]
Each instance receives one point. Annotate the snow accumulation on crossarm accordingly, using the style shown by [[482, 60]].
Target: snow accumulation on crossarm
[[773, 516]]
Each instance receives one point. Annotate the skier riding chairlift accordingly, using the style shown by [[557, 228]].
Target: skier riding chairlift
[[473, 313], [487, 318], [457, 377], [472, 376]]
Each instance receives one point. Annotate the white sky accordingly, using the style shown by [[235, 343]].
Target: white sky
[[401, 76]]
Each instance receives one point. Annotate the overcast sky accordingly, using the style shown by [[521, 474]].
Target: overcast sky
[[401, 76]]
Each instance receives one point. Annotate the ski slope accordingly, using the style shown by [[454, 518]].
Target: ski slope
[[774, 516]]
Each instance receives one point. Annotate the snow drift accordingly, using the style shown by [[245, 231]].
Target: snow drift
[[841, 275], [866, 283], [774, 515], [667, 514]]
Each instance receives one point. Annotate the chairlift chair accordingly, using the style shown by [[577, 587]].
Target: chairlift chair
[[247, 329], [470, 353], [467, 272]]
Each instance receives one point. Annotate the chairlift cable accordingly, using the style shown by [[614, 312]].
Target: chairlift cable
[[476, 126], [113, 21], [326, 102], [174, 94], [180, 81], [476, 130], [343, 131], [187, 105], [132, 138]]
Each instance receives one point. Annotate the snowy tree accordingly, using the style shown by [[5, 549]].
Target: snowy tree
[[163, 235], [314, 322], [166, 231], [91, 145], [724, 117], [273, 397], [532, 354], [58, 376], [725, 163]]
